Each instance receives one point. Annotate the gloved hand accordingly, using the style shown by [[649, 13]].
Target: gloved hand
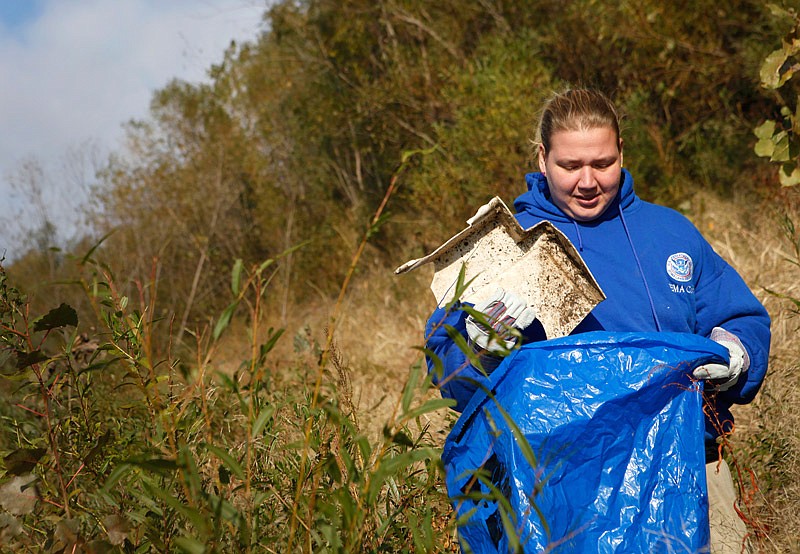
[[502, 311], [721, 376]]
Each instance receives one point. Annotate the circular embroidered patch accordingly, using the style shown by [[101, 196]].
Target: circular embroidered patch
[[679, 267]]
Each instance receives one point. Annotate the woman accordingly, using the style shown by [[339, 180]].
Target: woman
[[658, 273]]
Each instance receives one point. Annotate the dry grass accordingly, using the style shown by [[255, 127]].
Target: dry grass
[[379, 335], [750, 236]]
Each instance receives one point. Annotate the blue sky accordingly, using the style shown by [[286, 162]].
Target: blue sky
[[74, 71], [17, 13]]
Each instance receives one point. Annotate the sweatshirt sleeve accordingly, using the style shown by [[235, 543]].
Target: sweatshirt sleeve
[[724, 300], [456, 377]]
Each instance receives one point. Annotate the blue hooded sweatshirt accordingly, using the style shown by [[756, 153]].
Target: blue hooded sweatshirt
[[658, 274]]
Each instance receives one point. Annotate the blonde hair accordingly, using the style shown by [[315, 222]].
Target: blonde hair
[[576, 110]]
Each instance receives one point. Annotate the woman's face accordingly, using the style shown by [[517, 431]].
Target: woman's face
[[582, 170]]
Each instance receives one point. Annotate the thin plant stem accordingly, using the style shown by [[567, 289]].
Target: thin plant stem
[[326, 352], [52, 439]]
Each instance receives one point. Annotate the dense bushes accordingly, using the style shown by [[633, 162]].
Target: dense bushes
[[298, 133], [112, 445]]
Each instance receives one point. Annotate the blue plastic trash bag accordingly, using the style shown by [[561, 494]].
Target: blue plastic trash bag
[[616, 460]]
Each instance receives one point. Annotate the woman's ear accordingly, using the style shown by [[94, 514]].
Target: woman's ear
[[620, 152], [542, 158]]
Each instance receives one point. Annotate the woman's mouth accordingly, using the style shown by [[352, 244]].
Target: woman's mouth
[[587, 202]]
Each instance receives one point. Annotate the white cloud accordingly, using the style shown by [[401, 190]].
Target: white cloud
[[84, 67]]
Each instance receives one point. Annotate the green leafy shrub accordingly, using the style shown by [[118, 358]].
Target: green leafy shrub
[[110, 447], [779, 139]]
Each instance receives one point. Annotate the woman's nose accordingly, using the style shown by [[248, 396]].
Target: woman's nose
[[587, 179]]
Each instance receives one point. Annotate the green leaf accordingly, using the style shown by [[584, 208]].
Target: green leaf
[[222, 507], [402, 439], [264, 265], [438, 366], [787, 71], [267, 347], [778, 11], [496, 496], [411, 385], [101, 365], [375, 227], [460, 287], [97, 449], [408, 154], [527, 451], [770, 70], [88, 254], [765, 130], [264, 416], [764, 148], [789, 175], [391, 466], [23, 460], [227, 459], [794, 150], [521, 439], [460, 342], [781, 152], [120, 471], [162, 466], [464, 518], [236, 276], [431, 406], [364, 447], [62, 316], [190, 545], [795, 119], [260, 496], [224, 320], [26, 359], [189, 471], [192, 514], [795, 301]]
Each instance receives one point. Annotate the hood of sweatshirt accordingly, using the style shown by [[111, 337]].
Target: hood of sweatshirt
[[539, 202]]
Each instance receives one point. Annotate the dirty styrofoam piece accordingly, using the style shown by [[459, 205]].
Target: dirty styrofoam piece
[[540, 264]]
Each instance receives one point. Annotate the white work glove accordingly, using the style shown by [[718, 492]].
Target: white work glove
[[721, 376], [502, 311]]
